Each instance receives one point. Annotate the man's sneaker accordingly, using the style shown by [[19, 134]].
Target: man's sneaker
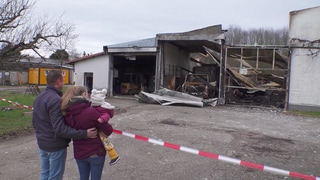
[[114, 161]]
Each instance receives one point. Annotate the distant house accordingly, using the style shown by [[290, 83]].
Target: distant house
[[92, 71], [32, 71], [304, 41]]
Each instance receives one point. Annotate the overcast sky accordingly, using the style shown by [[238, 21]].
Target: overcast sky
[[106, 22]]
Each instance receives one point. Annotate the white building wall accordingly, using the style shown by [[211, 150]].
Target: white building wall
[[13, 77], [304, 87], [99, 66]]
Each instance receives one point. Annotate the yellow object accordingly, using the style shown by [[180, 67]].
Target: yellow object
[[131, 83], [39, 75], [112, 153], [129, 88]]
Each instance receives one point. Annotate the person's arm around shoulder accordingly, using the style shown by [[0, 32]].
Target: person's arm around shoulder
[[64, 130]]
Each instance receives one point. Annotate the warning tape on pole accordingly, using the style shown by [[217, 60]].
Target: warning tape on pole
[[15, 103], [219, 157], [204, 153]]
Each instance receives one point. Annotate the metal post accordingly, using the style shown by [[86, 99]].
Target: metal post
[[222, 93]]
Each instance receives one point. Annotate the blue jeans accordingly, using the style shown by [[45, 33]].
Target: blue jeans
[[91, 165], [52, 164]]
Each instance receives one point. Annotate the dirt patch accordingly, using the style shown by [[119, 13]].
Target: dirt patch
[[170, 122], [262, 145], [16, 134]]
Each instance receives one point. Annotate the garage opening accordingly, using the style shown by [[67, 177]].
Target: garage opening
[[133, 73]]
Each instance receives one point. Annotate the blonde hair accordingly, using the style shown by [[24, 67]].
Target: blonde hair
[[71, 92]]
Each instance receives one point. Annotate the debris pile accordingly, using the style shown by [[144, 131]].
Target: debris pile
[[256, 76]]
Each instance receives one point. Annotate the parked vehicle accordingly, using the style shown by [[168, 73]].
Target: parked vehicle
[[131, 83], [198, 85]]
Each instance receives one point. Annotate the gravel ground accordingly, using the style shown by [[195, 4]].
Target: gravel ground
[[259, 135]]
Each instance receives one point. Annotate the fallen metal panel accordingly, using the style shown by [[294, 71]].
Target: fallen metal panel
[[167, 97]]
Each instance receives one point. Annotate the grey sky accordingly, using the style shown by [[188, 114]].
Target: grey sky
[[105, 22]]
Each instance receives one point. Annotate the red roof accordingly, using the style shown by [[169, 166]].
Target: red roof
[[85, 58]]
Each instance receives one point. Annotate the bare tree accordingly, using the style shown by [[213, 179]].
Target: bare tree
[[66, 40], [20, 31], [260, 36]]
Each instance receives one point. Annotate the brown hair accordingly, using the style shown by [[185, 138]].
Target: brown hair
[[71, 92], [53, 76]]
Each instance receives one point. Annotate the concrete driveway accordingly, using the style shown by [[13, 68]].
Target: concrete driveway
[[263, 136]]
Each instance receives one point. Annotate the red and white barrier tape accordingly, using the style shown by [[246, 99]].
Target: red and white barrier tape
[[219, 157], [16, 104], [203, 153]]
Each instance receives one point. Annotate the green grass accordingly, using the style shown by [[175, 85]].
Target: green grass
[[13, 121], [305, 113]]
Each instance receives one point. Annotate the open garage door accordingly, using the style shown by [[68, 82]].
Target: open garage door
[[134, 73]]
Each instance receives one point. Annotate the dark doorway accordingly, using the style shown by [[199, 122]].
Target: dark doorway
[[135, 73], [88, 81]]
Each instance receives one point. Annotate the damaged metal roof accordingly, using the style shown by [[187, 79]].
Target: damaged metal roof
[[196, 40], [192, 41]]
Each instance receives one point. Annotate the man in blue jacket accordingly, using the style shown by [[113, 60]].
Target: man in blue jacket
[[53, 135]]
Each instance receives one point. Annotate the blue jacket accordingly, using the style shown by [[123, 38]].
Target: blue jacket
[[51, 132]]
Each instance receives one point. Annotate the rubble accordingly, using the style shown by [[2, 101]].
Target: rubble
[[255, 75]]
